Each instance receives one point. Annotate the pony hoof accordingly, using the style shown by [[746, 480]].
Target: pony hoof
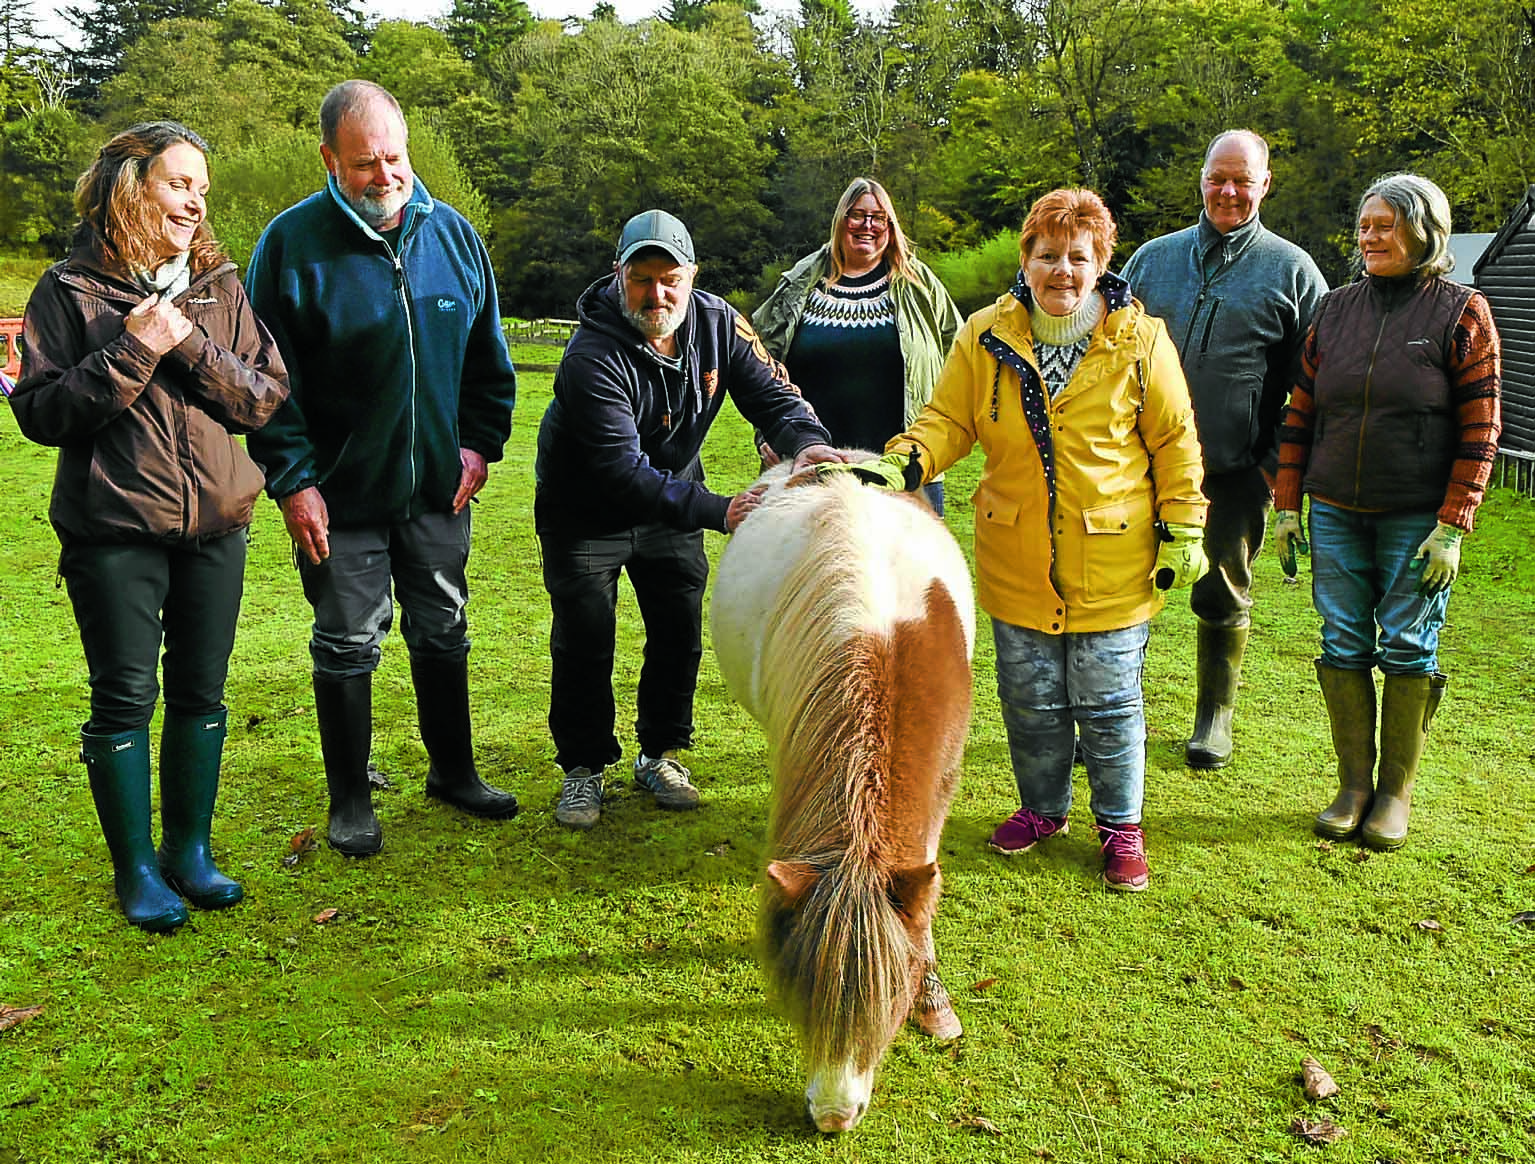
[[933, 1013], [943, 1025]]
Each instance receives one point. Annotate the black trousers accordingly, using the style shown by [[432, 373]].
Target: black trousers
[[668, 571], [1239, 510], [132, 600]]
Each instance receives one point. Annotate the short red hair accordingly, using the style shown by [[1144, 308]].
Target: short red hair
[[1065, 213]]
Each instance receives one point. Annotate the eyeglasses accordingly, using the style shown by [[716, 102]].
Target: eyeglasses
[[875, 218]]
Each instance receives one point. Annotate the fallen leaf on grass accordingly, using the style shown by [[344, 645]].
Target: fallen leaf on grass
[[1360, 856], [377, 779], [300, 844], [983, 985], [1324, 846], [977, 1124], [1317, 1131], [1314, 1078], [1525, 917], [719, 850], [1431, 926], [1529, 868], [14, 1016], [326, 915]]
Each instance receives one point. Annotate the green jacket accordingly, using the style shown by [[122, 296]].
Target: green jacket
[[925, 316]]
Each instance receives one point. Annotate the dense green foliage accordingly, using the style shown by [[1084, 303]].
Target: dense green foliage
[[749, 126], [516, 992]]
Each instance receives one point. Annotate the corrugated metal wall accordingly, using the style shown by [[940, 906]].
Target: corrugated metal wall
[[1506, 275]]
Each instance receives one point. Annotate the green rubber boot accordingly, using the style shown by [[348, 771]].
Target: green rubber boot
[[1407, 705], [190, 750], [1350, 697], [118, 766], [1219, 671]]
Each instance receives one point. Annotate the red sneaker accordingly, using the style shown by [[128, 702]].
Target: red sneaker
[[1023, 830], [1124, 857]]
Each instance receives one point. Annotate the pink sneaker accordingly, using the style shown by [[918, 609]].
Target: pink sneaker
[[1124, 857], [1023, 830]]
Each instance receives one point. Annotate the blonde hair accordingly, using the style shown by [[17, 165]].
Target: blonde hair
[[898, 251], [115, 216]]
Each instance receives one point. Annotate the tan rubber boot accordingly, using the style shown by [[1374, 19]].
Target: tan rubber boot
[[1350, 697], [1220, 651], [1408, 703]]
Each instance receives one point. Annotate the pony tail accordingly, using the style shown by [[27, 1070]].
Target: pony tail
[[846, 970]]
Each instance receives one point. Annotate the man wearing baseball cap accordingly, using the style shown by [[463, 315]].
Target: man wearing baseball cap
[[620, 487]]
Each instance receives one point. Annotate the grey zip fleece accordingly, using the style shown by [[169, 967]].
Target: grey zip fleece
[[1238, 306]]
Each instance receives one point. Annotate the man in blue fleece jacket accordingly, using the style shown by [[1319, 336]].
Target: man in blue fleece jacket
[[620, 487], [1237, 300], [383, 304]]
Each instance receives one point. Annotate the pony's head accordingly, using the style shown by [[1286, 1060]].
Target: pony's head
[[845, 956]]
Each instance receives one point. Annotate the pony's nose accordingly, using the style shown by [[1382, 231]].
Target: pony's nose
[[839, 1119]]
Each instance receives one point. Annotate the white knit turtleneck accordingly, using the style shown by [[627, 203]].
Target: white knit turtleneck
[[1060, 341]]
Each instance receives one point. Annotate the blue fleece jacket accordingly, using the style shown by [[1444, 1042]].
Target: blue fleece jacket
[[619, 443], [396, 358], [1238, 306]]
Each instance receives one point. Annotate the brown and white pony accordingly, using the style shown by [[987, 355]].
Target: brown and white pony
[[843, 622]]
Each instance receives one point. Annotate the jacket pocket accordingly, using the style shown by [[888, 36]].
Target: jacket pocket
[[993, 507], [1111, 518], [1115, 555]]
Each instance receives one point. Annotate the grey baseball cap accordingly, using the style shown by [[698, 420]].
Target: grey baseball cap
[[655, 228]]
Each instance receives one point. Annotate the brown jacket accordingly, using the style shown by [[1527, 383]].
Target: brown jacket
[[147, 448]]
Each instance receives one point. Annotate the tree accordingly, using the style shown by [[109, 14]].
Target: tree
[[280, 60], [479, 29], [109, 27], [599, 115], [41, 155]]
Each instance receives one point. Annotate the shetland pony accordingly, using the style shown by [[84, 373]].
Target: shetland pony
[[843, 622]]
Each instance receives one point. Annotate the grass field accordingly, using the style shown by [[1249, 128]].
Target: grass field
[[517, 992]]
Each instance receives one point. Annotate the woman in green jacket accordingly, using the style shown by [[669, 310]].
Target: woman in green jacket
[[1088, 507], [862, 325]]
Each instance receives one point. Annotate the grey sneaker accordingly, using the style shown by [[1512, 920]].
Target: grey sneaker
[[580, 803], [668, 781]]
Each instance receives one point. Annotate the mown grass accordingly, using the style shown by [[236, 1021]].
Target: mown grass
[[514, 991]]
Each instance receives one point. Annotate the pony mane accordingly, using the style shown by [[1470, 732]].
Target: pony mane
[[832, 672]]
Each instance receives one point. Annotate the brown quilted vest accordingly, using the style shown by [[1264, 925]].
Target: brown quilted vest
[[1386, 431]]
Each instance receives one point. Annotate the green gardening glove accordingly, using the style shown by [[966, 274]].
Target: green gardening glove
[[1439, 559], [901, 472], [1289, 539], [1181, 557]]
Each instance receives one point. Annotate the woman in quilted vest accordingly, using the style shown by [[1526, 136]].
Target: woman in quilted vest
[[1392, 430]]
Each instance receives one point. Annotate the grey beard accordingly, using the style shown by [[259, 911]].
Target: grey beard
[[646, 324]]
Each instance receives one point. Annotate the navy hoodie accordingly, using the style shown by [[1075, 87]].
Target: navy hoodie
[[619, 443]]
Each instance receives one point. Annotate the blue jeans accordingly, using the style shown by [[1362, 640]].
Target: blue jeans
[[1046, 682], [1362, 581], [425, 558]]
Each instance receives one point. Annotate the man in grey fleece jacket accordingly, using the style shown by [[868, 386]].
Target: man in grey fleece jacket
[[1237, 300]]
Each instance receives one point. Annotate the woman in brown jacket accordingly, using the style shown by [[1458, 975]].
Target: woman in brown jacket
[[143, 361]]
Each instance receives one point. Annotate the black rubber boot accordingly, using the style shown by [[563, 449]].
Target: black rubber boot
[[442, 711], [190, 750], [1407, 706], [119, 772], [1219, 670], [344, 708], [1350, 697]]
